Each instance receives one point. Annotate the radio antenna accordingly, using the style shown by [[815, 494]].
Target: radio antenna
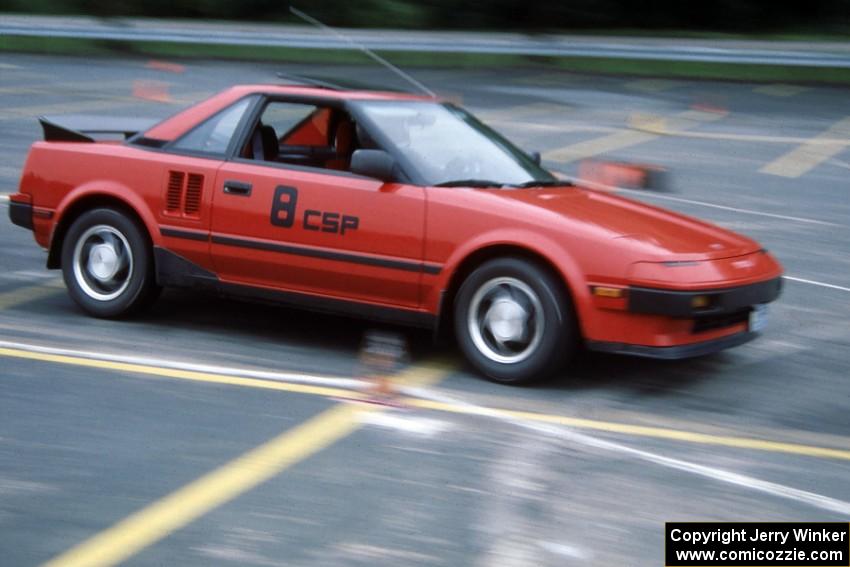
[[311, 20]]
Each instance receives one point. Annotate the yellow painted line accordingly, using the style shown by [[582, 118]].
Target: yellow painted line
[[530, 126], [590, 148], [29, 293], [780, 90], [644, 129], [151, 524], [174, 373], [738, 137], [641, 431], [652, 85], [422, 376], [809, 155], [178, 509]]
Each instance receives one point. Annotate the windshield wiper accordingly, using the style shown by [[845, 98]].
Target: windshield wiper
[[470, 183], [546, 183], [491, 183]]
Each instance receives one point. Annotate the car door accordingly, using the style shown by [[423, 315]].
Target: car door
[[314, 230]]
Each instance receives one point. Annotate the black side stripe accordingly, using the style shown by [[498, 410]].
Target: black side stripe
[[328, 255], [187, 234]]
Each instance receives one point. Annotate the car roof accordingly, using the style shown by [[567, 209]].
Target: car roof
[[332, 93], [173, 127]]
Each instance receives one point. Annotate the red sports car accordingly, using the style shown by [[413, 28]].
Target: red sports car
[[390, 206]]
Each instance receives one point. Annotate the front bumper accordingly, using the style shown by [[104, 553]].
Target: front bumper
[[671, 324], [674, 352], [712, 302]]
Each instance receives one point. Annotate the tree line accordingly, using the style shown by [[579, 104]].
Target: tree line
[[734, 16]]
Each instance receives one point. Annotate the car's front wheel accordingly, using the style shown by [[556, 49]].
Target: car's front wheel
[[514, 321], [107, 263]]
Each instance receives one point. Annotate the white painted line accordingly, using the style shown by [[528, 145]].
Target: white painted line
[[292, 377], [605, 187], [30, 275], [746, 137], [566, 550], [4, 198], [817, 283], [646, 193], [839, 163], [779, 490], [427, 426], [422, 426], [727, 208]]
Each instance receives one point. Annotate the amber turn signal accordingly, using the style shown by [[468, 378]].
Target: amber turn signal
[[601, 291]]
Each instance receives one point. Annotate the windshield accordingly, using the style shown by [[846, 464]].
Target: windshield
[[446, 145]]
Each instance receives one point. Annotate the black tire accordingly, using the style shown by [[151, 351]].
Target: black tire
[[514, 321], [107, 264]]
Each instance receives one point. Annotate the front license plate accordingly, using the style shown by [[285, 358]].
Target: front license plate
[[758, 318]]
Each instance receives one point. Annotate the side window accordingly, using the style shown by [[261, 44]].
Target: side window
[[214, 135], [289, 119], [303, 134]]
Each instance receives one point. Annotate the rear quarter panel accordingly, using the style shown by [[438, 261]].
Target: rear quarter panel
[[58, 174]]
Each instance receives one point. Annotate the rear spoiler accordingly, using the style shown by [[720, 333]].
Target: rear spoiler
[[81, 128]]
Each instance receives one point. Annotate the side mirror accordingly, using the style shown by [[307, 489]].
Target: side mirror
[[535, 157], [373, 163]]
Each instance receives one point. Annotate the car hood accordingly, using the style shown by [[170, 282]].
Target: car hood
[[650, 233]]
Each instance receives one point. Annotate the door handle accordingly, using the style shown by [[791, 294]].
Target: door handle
[[237, 188]]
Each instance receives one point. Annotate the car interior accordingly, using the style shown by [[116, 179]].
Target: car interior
[[324, 138]]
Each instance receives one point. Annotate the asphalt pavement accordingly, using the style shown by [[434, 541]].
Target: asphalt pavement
[[215, 432]]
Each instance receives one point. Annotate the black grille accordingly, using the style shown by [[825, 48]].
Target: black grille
[[193, 194], [711, 322], [174, 195]]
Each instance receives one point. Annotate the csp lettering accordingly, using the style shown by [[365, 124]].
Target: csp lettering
[[330, 222], [283, 213]]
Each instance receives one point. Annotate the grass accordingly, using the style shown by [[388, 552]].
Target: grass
[[610, 66], [801, 34]]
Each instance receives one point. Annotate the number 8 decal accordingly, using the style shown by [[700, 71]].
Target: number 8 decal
[[283, 206]]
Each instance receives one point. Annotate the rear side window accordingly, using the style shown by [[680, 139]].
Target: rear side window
[[288, 118], [214, 135]]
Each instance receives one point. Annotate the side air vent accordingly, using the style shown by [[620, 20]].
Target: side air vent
[[174, 194], [192, 206], [183, 194]]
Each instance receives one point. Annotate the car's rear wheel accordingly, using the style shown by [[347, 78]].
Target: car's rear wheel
[[514, 321], [107, 263]]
